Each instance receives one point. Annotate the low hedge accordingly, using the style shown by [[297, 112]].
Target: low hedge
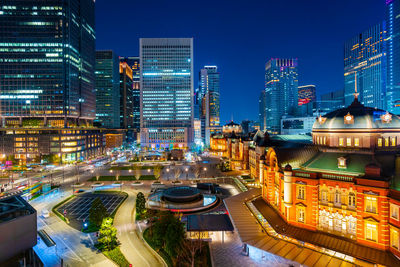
[[61, 216], [116, 256], [147, 177]]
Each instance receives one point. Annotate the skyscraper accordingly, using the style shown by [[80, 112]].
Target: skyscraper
[[393, 55], [47, 61], [134, 63], [281, 91], [307, 98], [107, 89], [209, 91], [365, 58], [126, 96], [166, 119]]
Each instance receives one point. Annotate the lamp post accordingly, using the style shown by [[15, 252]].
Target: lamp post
[[187, 172], [167, 174], [61, 162], [204, 169]]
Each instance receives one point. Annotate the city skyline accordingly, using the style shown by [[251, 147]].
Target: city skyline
[[316, 56]]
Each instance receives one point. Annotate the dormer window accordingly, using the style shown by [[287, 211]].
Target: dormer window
[[348, 119], [386, 118], [321, 119], [342, 163]]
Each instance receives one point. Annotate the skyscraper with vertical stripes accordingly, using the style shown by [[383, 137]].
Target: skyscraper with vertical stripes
[[365, 59], [166, 77]]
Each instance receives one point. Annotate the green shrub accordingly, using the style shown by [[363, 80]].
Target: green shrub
[[147, 177], [61, 216], [116, 256]]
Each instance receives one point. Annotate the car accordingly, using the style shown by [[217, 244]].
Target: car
[[45, 213], [79, 191]]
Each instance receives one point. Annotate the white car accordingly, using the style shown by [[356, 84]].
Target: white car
[[45, 213]]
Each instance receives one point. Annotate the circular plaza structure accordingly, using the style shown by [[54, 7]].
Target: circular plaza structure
[[182, 194], [182, 199]]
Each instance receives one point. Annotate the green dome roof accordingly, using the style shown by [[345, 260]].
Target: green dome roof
[[360, 117]]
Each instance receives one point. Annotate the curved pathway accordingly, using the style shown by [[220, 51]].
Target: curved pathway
[[134, 248]]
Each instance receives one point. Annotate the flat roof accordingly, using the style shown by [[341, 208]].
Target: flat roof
[[13, 207], [209, 222]]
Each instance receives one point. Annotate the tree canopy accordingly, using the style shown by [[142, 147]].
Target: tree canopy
[[97, 212]]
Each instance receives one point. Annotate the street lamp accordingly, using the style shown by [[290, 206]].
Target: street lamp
[[186, 170], [60, 156]]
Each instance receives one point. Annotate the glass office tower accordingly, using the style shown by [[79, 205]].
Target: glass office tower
[[209, 91], [365, 58], [47, 61], [281, 91], [134, 63], [47, 97], [107, 89], [306, 100], [166, 119], [126, 96], [393, 56]]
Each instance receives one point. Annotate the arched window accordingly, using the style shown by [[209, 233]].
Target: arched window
[[352, 200], [337, 199]]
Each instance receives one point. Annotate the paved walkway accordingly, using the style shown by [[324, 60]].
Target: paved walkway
[[132, 245], [228, 254]]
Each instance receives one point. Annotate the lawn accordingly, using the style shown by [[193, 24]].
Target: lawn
[[122, 178]]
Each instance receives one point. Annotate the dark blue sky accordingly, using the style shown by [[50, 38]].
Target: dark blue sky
[[240, 36]]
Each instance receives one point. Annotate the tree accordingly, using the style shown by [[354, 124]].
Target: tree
[[137, 172], [108, 234], [177, 173], [97, 212], [140, 203], [157, 171], [196, 171], [174, 237], [189, 249], [160, 227]]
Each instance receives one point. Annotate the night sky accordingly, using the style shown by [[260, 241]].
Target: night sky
[[240, 36]]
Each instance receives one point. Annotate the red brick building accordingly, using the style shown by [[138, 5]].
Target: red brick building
[[347, 184]]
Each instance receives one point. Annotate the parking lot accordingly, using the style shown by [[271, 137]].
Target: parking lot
[[77, 210]]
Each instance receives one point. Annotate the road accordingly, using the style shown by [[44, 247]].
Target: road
[[132, 245]]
